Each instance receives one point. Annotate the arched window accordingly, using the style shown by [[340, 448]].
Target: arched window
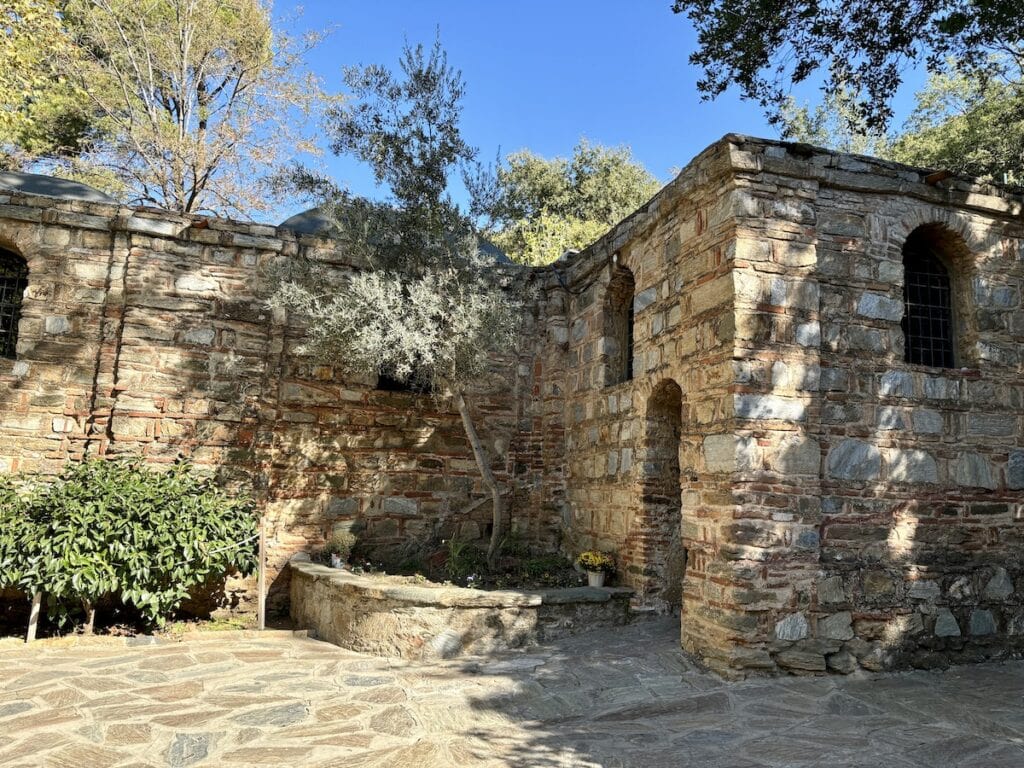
[[618, 331], [13, 280], [928, 304]]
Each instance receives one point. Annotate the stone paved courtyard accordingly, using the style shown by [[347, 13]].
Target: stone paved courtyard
[[614, 698]]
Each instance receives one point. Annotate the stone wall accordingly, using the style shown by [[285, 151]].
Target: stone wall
[[768, 462], [146, 333], [394, 616], [840, 508]]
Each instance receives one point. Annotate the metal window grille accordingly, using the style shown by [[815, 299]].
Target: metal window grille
[[928, 315], [13, 280]]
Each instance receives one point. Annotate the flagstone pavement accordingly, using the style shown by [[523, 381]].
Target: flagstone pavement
[[610, 698]]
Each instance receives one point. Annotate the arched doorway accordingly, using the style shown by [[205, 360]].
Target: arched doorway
[[664, 558]]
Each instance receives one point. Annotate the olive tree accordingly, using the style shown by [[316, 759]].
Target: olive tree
[[431, 309]]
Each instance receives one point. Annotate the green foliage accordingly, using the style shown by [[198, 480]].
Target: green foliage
[[189, 105], [41, 111], [117, 528], [969, 125], [341, 544], [764, 46], [463, 558], [430, 308], [834, 123], [538, 208]]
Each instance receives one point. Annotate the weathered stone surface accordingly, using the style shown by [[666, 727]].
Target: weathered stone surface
[[793, 658], [880, 307], [838, 626], [275, 716], [924, 590], [854, 460], [1015, 470], [946, 624], [973, 471], [982, 622], [911, 466], [831, 590], [1000, 586], [843, 662], [792, 627], [188, 749]]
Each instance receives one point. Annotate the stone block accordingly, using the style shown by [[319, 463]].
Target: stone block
[[877, 584], [196, 284], [831, 591], [854, 460], [399, 505], [57, 325], [927, 421], [879, 306], [1015, 470], [792, 627], [924, 590], [973, 471], [907, 465], [896, 384], [946, 624], [838, 626], [1000, 586], [794, 658], [797, 456], [644, 299], [769, 407], [991, 425], [982, 622]]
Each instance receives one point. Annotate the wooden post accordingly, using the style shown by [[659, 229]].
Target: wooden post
[[33, 617], [261, 587]]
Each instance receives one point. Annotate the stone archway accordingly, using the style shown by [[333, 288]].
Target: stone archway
[[664, 558]]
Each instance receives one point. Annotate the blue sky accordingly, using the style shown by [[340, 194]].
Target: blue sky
[[541, 74]]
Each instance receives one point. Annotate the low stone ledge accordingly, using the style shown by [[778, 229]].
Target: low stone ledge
[[387, 616]]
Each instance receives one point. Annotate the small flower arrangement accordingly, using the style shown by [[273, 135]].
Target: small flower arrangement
[[593, 561]]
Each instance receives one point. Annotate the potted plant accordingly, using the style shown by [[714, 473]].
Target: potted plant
[[339, 547], [597, 565]]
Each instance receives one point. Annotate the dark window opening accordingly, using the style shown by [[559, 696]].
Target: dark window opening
[[928, 307], [13, 281], [414, 385], [618, 332]]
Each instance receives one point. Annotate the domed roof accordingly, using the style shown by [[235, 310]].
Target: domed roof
[[311, 222], [316, 222], [51, 186]]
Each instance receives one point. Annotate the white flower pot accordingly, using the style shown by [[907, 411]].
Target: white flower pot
[[595, 578]]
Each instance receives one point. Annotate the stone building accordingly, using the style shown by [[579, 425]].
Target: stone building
[[787, 392]]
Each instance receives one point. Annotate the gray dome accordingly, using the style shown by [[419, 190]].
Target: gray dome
[[51, 186], [311, 222], [316, 222]]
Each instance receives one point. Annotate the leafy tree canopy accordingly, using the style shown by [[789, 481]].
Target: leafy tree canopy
[[42, 112], [432, 308], [189, 105], [764, 46], [965, 124], [537, 208]]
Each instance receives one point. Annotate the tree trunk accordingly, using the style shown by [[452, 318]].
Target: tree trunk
[[484, 464], [90, 617], [33, 617]]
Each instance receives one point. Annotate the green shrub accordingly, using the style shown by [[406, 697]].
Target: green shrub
[[120, 529]]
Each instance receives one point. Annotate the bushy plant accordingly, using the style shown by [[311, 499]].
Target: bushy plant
[[596, 562], [118, 528], [341, 544]]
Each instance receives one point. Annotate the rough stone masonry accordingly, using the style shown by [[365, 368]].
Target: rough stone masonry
[[718, 390]]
